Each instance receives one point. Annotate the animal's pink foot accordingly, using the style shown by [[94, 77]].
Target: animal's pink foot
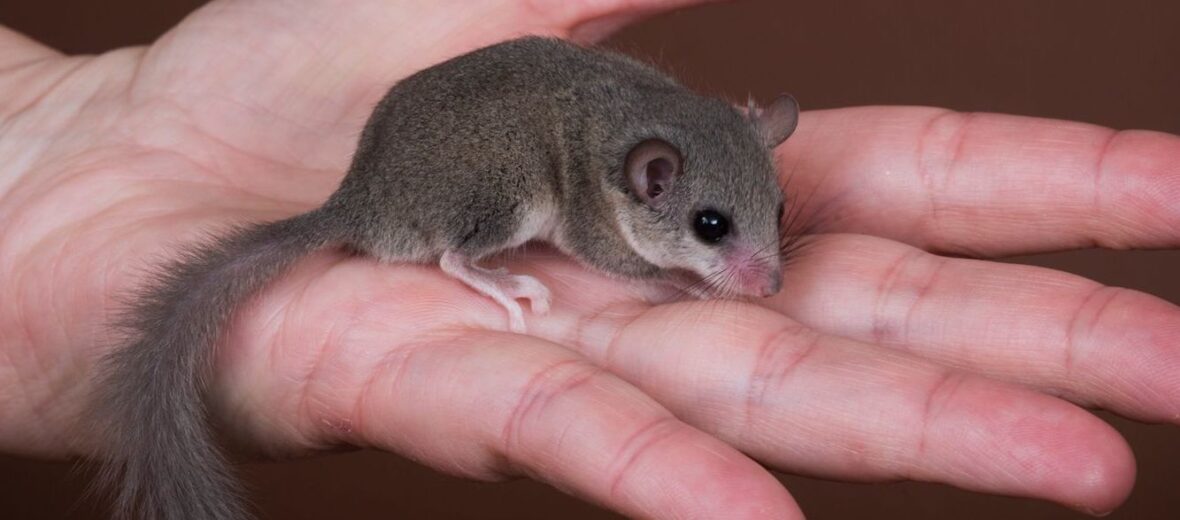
[[500, 286]]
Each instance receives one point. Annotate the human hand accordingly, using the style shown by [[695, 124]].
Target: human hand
[[248, 112]]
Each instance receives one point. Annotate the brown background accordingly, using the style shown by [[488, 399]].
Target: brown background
[[1106, 62]]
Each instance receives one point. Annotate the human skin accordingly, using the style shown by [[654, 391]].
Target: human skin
[[878, 361]]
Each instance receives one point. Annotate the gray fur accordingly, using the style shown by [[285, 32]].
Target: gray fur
[[163, 461], [455, 158]]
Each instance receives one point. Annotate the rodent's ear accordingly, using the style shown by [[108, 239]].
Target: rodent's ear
[[652, 166], [777, 121]]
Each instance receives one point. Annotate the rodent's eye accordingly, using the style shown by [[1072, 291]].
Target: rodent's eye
[[710, 226]]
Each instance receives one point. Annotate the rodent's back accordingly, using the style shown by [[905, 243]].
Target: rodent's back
[[503, 85], [523, 68]]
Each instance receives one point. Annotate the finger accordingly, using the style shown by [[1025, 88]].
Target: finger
[[591, 22], [483, 404], [1096, 345], [17, 49], [21, 79], [805, 402], [985, 184]]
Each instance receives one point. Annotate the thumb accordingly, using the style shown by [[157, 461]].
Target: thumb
[[593, 21]]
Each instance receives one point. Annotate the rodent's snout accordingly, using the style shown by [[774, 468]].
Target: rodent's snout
[[757, 276], [764, 282]]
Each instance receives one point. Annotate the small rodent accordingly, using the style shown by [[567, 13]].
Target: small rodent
[[609, 160]]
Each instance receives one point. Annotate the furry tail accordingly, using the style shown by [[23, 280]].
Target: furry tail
[[163, 461]]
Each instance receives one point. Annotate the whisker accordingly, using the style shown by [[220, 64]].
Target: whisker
[[705, 282], [793, 235], [755, 258], [727, 285]]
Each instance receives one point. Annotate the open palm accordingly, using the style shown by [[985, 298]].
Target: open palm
[[878, 361]]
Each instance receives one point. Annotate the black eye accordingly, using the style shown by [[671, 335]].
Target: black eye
[[710, 226]]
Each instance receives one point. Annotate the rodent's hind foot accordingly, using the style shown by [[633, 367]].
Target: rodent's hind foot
[[499, 285]]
